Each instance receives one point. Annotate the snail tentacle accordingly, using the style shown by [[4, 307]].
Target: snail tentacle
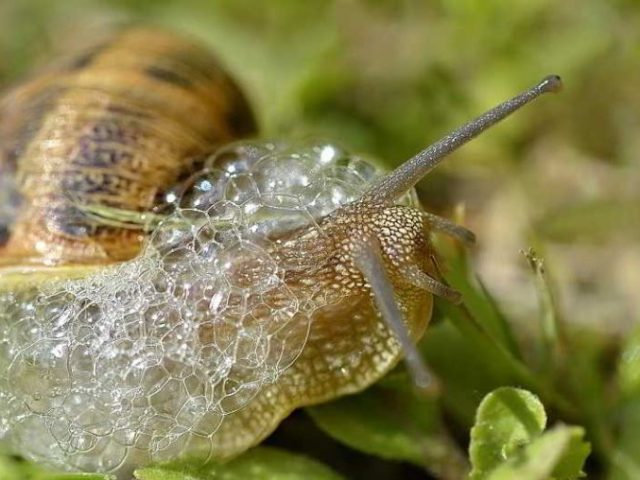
[[368, 259], [441, 224], [418, 278], [399, 181]]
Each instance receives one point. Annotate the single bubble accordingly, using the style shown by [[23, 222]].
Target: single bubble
[[284, 173], [241, 156], [240, 189], [248, 267], [201, 190]]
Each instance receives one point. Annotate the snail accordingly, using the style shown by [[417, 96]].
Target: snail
[[166, 292]]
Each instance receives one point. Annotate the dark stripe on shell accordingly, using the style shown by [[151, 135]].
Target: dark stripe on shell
[[168, 76]]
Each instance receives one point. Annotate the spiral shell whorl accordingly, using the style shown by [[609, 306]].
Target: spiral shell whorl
[[114, 126]]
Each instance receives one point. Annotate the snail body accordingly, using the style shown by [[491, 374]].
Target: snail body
[[280, 276]]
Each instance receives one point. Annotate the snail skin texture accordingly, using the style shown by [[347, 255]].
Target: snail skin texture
[[275, 276]]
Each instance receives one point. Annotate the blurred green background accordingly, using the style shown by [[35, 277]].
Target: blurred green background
[[387, 77]]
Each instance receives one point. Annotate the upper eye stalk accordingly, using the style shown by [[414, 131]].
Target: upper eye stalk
[[410, 172]]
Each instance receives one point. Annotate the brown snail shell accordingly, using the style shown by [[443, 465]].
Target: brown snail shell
[[115, 126]]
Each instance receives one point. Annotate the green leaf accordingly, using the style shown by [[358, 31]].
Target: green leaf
[[558, 454], [575, 453], [12, 468], [257, 464], [625, 464], [508, 443], [68, 476], [391, 420], [507, 419], [553, 331], [467, 369], [629, 366], [586, 381], [479, 301]]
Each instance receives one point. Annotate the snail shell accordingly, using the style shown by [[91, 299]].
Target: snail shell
[[282, 275], [115, 126]]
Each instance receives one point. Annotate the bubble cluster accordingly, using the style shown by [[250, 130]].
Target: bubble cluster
[[145, 359]]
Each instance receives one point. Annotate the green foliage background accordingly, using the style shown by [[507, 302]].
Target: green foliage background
[[386, 77]]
